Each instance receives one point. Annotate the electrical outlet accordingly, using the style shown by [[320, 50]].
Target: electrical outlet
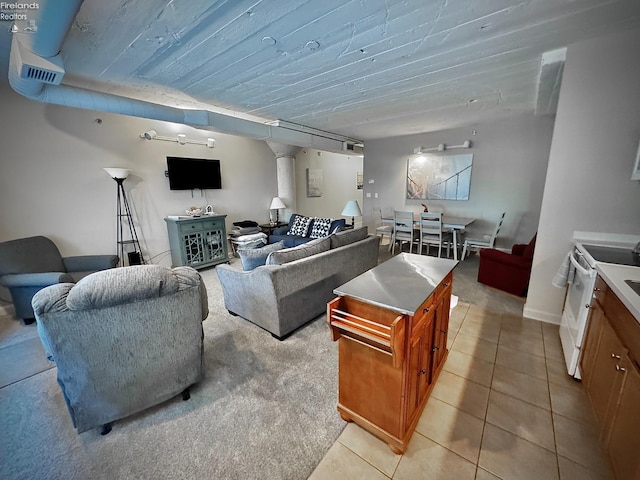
[[368, 195]]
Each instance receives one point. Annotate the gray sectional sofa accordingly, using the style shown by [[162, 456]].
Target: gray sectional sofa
[[296, 283]]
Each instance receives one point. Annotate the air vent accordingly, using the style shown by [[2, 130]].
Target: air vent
[[31, 66], [42, 75], [356, 149]]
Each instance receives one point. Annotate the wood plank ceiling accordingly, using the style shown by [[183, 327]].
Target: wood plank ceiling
[[361, 68]]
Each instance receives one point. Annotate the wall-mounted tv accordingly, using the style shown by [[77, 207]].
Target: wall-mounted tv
[[190, 173]]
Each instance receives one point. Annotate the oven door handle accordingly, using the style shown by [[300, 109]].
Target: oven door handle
[[580, 268]]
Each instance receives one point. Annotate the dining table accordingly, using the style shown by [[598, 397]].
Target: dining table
[[455, 224]]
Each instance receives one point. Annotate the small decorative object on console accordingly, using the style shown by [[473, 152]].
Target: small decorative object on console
[[193, 211]]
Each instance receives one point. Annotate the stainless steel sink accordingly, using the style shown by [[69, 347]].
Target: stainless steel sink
[[635, 285]]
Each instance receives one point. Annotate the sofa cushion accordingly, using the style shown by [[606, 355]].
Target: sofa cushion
[[346, 237], [337, 225], [300, 226], [254, 257], [321, 227], [287, 255]]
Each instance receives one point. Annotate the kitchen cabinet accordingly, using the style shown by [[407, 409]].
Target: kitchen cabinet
[[197, 242], [611, 377], [623, 442], [389, 357]]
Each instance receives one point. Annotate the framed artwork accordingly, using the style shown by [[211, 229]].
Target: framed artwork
[[314, 182], [359, 180], [439, 177]]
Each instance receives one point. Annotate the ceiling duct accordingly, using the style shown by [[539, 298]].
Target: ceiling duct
[[36, 71], [31, 66], [549, 81]]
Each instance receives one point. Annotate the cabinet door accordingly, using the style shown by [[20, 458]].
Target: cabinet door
[[415, 372], [419, 362], [590, 345], [624, 437], [440, 328], [193, 249], [604, 385]]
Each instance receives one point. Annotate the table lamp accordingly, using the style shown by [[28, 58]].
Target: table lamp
[[352, 209], [276, 204]]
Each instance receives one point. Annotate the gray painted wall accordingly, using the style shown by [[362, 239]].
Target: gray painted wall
[[588, 186], [338, 186], [508, 174], [52, 182]]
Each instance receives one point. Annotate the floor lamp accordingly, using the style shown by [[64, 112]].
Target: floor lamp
[[124, 211]]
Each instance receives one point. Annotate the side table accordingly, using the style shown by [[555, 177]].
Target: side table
[[268, 228]]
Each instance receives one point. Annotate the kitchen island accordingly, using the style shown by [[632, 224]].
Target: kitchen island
[[610, 365], [391, 323]]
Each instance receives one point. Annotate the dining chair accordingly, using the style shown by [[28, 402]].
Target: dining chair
[[381, 228], [487, 240], [432, 233], [402, 229]]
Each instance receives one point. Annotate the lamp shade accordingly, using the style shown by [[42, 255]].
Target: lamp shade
[[118, 172], [352, 209], [277, 203]]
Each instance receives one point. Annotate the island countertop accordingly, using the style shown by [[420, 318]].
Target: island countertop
[[400, 284]]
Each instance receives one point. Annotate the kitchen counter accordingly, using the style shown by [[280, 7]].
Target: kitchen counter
[[400, 284], [615, 276]]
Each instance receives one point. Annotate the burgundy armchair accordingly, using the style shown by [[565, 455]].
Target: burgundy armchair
[[507, 271]]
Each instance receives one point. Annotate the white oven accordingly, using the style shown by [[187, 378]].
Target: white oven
[[581, 282], [589, 250]]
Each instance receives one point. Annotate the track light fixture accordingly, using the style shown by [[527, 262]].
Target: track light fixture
[[150, 135], [181, 139], [441, 148]]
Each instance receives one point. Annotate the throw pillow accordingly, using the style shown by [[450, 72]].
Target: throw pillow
[[255, 257], [300, 226], [301, 251], [346, 237], [321, 227]]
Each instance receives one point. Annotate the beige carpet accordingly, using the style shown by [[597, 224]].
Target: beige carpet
[[266, 409]]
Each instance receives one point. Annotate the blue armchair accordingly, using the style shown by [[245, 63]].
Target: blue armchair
[[27, 265]]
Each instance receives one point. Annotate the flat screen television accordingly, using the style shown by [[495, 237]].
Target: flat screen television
[[190, 173]]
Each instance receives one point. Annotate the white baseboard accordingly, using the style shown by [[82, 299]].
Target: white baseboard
[[542, 316]]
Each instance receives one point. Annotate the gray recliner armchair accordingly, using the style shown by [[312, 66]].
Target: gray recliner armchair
[[30, 264], [123, 339]]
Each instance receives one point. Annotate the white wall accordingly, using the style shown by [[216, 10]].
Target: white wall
[[338, 183], [509, 167], [588, 186], [52, 182]]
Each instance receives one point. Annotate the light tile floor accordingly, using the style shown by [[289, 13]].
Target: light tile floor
[[502, 408]]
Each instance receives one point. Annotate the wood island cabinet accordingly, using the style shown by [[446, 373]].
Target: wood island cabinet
[[390, 358], [611, 376]]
